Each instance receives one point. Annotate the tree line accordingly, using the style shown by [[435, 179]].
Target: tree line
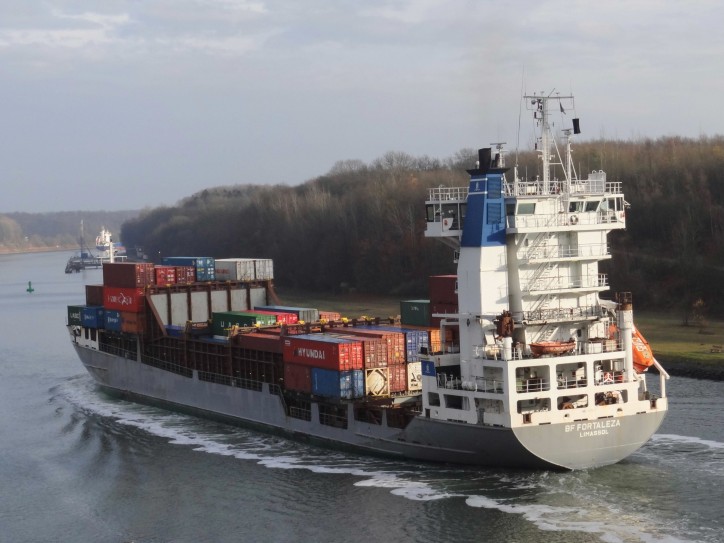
[[32, 231], [361, 226]]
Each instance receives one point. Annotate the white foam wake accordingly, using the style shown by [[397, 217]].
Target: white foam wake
[[567, 502]]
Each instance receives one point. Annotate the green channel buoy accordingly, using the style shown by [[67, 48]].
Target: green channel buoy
[[30, 287]]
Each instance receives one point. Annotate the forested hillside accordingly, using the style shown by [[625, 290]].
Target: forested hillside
[[361, 225], [37, 231]]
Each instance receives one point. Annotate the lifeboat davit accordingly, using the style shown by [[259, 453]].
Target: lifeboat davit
[[643, 356], [552, 347]]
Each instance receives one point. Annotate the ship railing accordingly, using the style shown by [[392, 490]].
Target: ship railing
[[117, 351], [329, 419], [217, 378], [602, 345], [166, 366], [483, 384], [535, 187], [595, 184], [447, 194], [571, 382], [567, 251], [534, 384], [494, 351], [445, 380], [563, 283], [561, 219], [559, 314], [299, 413], [277, 391]]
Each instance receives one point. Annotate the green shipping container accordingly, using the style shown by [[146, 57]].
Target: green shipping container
[[74, 314], [224, 320], [415, 312]]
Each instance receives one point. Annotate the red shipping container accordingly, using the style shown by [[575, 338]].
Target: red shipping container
[[123, 299], [127, 274], [443, 289], [374, 350], [284, 318], [329, 316], [94, 295], [398, 377], [133, 323], [185, 275], [298, 377], [338, 355], [260, 342], [165, 275], [396, 343]]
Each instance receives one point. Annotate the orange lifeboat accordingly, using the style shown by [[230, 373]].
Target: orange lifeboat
[[643, 356], [552, 347]]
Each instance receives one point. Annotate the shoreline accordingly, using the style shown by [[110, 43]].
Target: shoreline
[[679, 367], [31, 250]]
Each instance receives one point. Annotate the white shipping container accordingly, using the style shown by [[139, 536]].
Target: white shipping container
[[235, 269], [414, 376], [264, 269]]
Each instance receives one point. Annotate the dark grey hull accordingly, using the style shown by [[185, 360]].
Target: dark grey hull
[[551, 446]]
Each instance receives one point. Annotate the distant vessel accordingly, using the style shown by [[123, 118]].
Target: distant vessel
[[104, 243], [84, 258], [525, 365]]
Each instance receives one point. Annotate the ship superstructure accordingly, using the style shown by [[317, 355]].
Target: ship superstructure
[[527, 366], [538, 346]]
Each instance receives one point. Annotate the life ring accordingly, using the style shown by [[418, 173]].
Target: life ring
[[574, 219]]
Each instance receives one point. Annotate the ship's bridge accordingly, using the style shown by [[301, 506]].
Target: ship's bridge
[[445, 209]]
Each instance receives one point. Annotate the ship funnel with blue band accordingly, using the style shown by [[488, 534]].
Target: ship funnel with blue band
[[485, 215]]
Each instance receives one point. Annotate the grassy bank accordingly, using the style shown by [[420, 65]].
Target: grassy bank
[[690, 351]]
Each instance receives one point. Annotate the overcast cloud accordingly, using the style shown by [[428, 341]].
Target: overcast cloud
[[124, 104]]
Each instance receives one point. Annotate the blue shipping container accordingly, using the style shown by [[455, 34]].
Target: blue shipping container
[[91, 316], [414, 340], [338, 384], [205, 265], [113, 320], [174, 330]]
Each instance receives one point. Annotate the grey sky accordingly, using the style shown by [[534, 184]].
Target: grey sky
[[123, 104]]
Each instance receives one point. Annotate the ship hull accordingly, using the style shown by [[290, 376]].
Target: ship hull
[[556, 446]]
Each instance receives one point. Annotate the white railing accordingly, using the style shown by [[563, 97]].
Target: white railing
[[566, 251], [560, 314], [448, 194], [564, 219], [566, 283]]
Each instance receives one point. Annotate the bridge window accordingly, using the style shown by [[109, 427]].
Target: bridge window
[[592, 205], [457, 402], [526, 208]]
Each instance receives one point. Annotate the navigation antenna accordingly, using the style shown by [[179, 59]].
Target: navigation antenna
[[499, 159]]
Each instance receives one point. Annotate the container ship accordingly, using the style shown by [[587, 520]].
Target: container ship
[[515, 361]]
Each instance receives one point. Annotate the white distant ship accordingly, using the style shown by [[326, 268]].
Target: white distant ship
[[104, 242]]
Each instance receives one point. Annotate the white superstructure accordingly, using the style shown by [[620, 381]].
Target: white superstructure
[[536, 345]]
